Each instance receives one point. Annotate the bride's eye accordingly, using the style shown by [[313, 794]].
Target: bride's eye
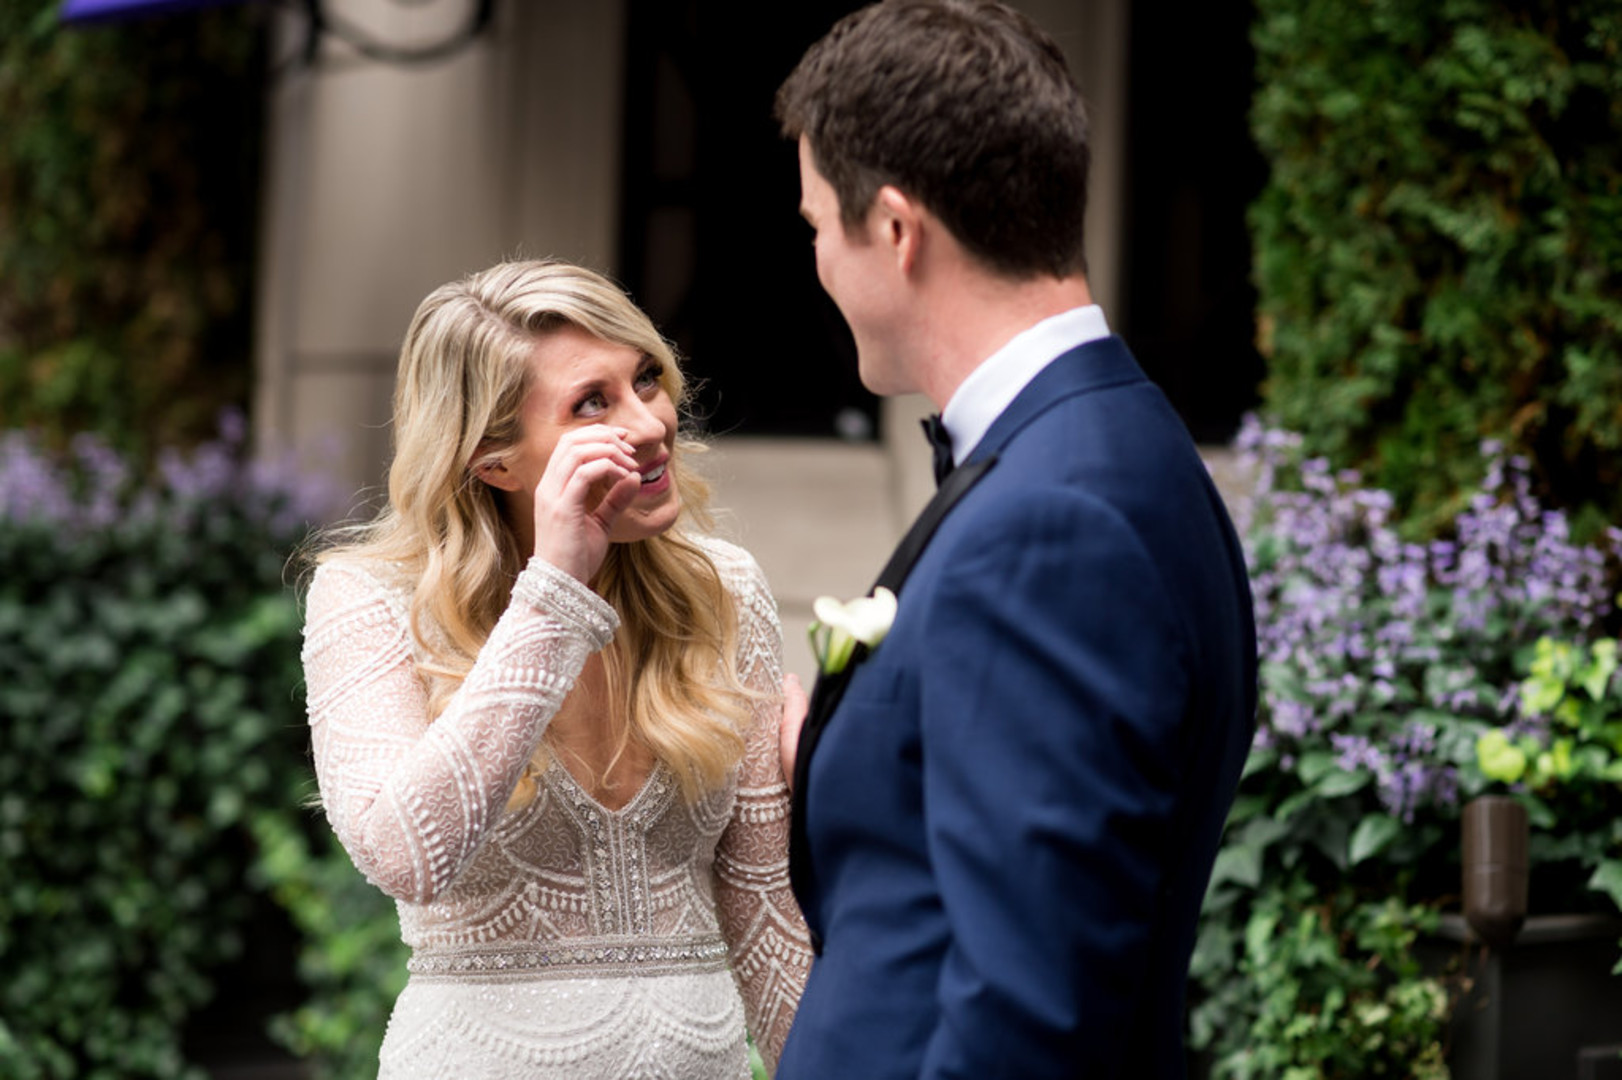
[[649, 376]]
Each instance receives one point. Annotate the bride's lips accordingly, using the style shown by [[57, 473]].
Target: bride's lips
[[656, 477]]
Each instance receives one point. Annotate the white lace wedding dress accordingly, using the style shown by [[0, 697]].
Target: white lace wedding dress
[[562, 939]]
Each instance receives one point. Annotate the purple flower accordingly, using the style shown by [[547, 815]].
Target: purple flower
[[1358, 628], [1356, 752], [233, 427], [1292, 718], [93, 487], [31, 487]]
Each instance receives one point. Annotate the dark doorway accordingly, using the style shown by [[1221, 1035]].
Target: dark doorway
[[713, 245], [1191, 171], [714, 248]]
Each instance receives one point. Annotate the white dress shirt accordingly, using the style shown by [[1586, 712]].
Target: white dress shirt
[[992, 387]]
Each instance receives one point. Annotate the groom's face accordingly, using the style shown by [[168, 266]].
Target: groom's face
[[858, 273]]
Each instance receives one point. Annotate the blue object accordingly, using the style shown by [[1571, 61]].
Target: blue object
[[1011, 813], [86, 11]]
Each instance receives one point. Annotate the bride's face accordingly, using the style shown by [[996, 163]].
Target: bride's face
[[578, 379]]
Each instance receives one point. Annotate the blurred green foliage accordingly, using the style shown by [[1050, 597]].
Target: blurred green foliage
[[129, 174], [1328, 984], [154, 772], [1438, 250], [352, 961]]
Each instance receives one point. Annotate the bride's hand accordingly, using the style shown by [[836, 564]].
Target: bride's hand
[[795, 706], [590, 480]]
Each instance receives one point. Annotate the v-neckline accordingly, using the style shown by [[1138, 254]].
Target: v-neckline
[[642, 793]]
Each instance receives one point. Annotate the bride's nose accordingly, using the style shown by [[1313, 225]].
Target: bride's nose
[[643, 425]]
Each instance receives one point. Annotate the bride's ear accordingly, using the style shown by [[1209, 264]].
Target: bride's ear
[[488, 466]]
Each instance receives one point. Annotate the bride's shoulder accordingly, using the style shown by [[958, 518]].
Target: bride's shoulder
[[738, 569], [354, 575]]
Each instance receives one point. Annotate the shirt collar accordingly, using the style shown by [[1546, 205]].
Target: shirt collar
[[992, 386]]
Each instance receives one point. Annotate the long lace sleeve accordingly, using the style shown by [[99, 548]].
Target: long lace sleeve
[[766, 935], [411, 801]]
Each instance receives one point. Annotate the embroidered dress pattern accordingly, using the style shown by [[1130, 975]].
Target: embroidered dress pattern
[[561, 938]]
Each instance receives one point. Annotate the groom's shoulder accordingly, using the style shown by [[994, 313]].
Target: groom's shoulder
[[1101, 434], [1031, 508], [1127, 474], [1094, 395]]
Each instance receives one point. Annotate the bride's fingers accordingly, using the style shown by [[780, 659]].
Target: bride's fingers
[[596, 437], [593, 442], [617, 499], [573, 520], [589, 484], [577, 450], [592, 478]]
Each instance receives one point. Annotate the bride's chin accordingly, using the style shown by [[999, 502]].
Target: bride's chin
[[634, 524]]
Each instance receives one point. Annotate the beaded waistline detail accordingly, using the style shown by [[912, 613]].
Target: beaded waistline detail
[[614, 957]]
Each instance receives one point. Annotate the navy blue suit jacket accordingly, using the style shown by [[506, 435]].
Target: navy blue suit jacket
[[1006, 815]]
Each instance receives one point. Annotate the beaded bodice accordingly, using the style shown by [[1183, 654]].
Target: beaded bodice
[[558, 884]]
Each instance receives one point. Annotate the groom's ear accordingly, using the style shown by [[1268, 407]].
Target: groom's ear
[[900, 220]]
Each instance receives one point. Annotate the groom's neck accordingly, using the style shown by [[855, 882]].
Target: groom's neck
[[967, 314]]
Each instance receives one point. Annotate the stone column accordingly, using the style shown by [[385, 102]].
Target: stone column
[[385, 181]]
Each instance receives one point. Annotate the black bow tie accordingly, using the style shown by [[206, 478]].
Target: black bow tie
[[940, 442]]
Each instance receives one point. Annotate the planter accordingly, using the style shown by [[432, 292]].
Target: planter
[[1538, 999], [1546, 1007]]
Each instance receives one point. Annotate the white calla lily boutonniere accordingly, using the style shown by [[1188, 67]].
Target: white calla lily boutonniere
[[840, 626]]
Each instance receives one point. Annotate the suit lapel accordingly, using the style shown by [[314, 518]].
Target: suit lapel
[[829, 689], [1093, 366], [1097, 365]]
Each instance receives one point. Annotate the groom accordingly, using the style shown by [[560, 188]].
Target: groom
[[1006, 812]]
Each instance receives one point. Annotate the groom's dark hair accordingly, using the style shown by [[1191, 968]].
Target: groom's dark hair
[[965, 105]]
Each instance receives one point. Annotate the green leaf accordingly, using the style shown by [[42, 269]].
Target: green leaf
[[1293, 805], [1258, 761], [1240, 865], [1259, 932], [1336, 784], [1246, 807], [1595, 677], [1372, 835], [1498, 759], [1607, 878], [1330, 836], [1314, 765], [1538, 811], [1540, 694]]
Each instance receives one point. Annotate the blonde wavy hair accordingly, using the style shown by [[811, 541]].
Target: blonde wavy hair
[[464, 374]]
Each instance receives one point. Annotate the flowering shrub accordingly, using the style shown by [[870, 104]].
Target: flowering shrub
[[1392, 672], [92, 490], [148, 715]]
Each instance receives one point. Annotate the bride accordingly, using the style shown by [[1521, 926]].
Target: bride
[[544, 712]]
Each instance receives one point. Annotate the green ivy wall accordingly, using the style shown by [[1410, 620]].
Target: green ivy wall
[[129, 178], [1438, 250]]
